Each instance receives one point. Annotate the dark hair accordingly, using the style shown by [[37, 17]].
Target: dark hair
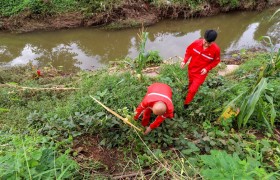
[[210, 35]]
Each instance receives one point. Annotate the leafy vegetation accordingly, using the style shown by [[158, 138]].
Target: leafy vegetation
[[144, 58], [233, 3], [8, 8], [31, 157], [59, 117], [39, 125], [220, 165], [49, 7], [260, 96]]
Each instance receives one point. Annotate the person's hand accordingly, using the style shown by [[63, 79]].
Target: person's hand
[[148, 130], [203, 71], [182, 64]]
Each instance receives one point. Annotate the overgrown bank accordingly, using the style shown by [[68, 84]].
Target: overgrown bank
[[24, 16], [50, 127], [49, 121]]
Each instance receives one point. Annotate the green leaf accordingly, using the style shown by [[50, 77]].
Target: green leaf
[[4, 110], [33, 163], [100, 114], [274, 14], [103, 142], [232, 103], [272, 110], [36, 155], [249, 104], [266, 122]]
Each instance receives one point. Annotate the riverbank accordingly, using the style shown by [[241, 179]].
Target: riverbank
[[53, 113], [47, 15]]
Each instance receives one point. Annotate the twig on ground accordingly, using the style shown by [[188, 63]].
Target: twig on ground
[[134, 174], [36, 89]]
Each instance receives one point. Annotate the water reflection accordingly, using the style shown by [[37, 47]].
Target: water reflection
[[170, 44], [74, 52], [91, 48], [28, 54], [246, 40]]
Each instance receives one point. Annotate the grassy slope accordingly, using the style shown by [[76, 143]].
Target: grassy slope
[[47, 7], [63, 114]]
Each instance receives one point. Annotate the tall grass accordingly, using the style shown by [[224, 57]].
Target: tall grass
[[141, 60], [259, 97]]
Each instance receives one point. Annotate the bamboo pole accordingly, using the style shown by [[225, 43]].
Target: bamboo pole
[[36, 89], [125, 120]]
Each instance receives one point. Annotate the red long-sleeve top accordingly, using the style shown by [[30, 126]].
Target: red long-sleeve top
[[202, 58], [157, 92]]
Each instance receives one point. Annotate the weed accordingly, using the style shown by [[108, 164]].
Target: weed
[[259, 98], [60, 117], [30, 157], [220, 165]]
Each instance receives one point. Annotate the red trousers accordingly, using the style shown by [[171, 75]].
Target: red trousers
[[195, 81]]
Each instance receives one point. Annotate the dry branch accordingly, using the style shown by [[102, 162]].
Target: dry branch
[[36, 89], [134, 174]]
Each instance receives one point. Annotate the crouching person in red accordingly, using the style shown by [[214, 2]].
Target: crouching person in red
[[158, 100]]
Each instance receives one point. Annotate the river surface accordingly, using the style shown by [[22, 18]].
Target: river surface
[[92, 48]]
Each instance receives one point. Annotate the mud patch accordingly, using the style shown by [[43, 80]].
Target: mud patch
[[95, 159], [239, 57], [27, 22], [131, 13], [229, 69]]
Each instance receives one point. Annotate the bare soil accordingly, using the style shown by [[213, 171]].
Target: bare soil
[[132, 13], [95, 159]]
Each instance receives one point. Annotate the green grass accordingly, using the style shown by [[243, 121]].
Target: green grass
[[9, 8], [33, 157], [50, 7], [121, 90], [62, 116]]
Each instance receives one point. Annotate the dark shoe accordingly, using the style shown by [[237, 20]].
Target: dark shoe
[[186, 106]]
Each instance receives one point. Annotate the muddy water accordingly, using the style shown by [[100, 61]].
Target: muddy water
[[91, 48]]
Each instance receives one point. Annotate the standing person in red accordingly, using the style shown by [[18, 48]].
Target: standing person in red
[[158, 100], [205, 55]]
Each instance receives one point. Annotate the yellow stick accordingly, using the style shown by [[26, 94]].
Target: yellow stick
[[125, 120]]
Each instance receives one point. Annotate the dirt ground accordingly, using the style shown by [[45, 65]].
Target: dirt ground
[[131, 13], [102, 162], [94, 158]]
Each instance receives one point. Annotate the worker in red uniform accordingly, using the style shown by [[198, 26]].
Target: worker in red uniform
[[202, 55], [158, 100]]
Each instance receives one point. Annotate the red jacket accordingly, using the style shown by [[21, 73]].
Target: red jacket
[[208, 58], [157, 92]]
